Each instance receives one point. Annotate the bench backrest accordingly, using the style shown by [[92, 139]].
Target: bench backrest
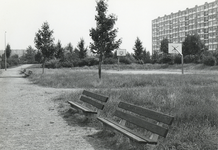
[[93, 99], [144, 123]]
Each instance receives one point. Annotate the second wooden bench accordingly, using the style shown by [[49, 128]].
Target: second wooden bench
[[137, 115]]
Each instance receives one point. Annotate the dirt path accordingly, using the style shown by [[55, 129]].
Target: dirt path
[[29, 120]]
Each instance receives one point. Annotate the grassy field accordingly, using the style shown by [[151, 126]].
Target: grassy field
[[191, 98]]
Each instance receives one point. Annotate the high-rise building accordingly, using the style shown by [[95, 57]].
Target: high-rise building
[[202, 20]]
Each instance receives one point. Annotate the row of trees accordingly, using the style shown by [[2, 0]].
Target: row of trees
[[103, 46], [103, 36]]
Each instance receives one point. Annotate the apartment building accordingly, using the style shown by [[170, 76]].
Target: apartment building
[[202, 20]]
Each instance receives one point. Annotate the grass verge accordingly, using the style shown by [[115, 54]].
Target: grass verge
[[192, 99]]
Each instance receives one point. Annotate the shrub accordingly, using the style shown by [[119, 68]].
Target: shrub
[[110, 61], [177, 59], [125, 60], [53, 63], [190, 59], [89, 61], [166, 59], [67, 64], [13, 60], [209, 60]]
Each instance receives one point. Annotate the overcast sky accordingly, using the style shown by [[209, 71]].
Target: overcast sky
[[72, 19]]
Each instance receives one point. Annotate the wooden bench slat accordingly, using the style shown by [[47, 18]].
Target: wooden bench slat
[[126, 131], [160, 117], [142, 123], [92, 102], [95, 96], [83, 108]]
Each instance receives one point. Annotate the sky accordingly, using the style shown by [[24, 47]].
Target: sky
[[71, 20]]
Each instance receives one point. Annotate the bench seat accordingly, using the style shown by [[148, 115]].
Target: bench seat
[[126, 131], [144, 118], [83, 108]]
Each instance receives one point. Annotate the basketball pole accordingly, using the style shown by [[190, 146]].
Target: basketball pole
[[118, 63], [5, 54], [182, 64]]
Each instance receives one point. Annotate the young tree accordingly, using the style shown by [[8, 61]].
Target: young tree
[[146, 57], [155, 57], [69, 48], [192, 45], [59, 51], [8, 51], [29, 56], [44, 42], [82, 51], [103, 35], [138, 50], [164, 46], [38, 57]]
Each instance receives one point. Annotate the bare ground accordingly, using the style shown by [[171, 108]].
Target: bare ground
[[29, 119]]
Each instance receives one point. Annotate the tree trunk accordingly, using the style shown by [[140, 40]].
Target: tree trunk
[[43, 65], [99, 69], [99, 66]]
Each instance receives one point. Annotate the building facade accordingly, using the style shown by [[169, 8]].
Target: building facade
[[202, 20]]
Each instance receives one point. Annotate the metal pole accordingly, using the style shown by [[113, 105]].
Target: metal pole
[[182, 64], [118, 63], [5, 54]]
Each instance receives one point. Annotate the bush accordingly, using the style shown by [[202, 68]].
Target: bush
[[177, 59], [209, 60], [89, 61], [110, 61], [53, 63], [67, 64], [166, 59], [125, 60], [13, 60], [190, 59]]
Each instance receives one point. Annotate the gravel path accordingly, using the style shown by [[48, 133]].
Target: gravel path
[[29, 120]]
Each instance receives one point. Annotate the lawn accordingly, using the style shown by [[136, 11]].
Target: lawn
[[191, 98]]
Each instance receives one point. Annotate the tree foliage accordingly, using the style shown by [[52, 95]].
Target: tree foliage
[[69, 48], [38, 57], [164, 46], [8, 51], [192, 45], [44, 42], [82, 51], [59, 51], [104, 35], [138, 49], [29, 56]]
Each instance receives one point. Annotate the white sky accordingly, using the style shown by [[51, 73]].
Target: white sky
[[72, 19]]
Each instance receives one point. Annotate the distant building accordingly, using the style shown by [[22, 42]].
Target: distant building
[[13, 52], [202, 20]]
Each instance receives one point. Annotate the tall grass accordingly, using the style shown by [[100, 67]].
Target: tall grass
[[192, 99], [65, 78]]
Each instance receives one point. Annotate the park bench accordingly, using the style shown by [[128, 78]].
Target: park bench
[[28, 73], [23, 71], [154, 122], [91, 103]]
